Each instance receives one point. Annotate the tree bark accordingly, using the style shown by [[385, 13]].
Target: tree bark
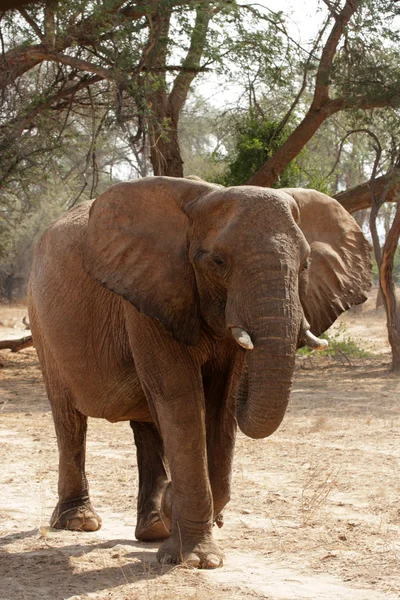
[[359, 197], [166, 108], [388, 289], [165, 152]]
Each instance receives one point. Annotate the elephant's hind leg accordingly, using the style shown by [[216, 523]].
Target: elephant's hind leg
[[74, 510], [153, 507]]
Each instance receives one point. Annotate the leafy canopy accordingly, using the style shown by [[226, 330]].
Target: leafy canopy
[[256, 140]]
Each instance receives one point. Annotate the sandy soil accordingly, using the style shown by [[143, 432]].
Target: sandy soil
[[315, 511]]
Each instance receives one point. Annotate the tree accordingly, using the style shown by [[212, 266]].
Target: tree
[[357, 69], [92, 92], [140, 59], [385, 258], [83, 162], [89, 44]]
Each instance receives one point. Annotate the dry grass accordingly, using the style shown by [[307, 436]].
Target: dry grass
[[317, 487], [319, 424]]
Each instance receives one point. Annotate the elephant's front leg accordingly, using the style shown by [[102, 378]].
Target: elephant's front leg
[[173, 385], [181, 416]]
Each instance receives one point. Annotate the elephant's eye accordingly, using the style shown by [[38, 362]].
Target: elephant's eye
[[218, 260], [306, 264]]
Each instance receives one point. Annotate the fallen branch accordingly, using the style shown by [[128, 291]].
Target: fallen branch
[[16, 345]]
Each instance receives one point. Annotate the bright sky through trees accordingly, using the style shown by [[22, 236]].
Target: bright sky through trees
[[304, 19]]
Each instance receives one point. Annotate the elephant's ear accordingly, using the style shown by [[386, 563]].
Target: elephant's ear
[[136, 246], [340, 262]]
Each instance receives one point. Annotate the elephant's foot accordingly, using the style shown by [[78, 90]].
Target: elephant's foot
[[81, 517], [203, 554], [153, 524], [151, 529]]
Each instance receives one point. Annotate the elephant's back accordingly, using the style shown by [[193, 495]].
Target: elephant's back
[[63, 238], [57, 265]]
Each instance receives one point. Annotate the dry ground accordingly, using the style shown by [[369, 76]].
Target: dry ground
[[315, 512]]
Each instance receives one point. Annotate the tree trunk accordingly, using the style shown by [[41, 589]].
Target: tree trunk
[[165, 152], [388, 289], [379, 299]]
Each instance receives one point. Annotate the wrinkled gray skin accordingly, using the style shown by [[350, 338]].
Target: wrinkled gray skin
[[135, 299]]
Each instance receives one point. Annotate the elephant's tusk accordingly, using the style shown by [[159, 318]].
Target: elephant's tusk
[[242, 338], [315, 343]]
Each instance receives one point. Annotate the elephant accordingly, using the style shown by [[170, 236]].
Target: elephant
[[178, 305]]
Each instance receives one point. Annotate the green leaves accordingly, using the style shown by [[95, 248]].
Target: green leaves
[[257, 138]]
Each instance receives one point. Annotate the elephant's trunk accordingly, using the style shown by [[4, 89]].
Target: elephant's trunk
[[272, 324], [264, 390]]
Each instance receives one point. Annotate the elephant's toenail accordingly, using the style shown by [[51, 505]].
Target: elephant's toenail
[[91, 524], [213, 562], [191, 560], [74, 524]]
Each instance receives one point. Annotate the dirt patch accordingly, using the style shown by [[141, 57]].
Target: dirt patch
[[314, 511]]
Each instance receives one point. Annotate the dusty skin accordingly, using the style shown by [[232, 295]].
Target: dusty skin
[[315, 512]]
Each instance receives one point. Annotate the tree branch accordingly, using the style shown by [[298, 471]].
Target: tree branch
[[14, 129], [322, 80], [390, 98], [16, 345], [76, 63], [376, 200], [359, 197], [182, 82], [295, 102], [49, 23], [388, 289], [31, 22], [348, 134], [18, 61], [321, 107], [332, 8]]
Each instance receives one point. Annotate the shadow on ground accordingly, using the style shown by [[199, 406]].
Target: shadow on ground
[[47, 571]]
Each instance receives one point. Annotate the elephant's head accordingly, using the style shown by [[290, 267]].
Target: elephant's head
[[255, 264]]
